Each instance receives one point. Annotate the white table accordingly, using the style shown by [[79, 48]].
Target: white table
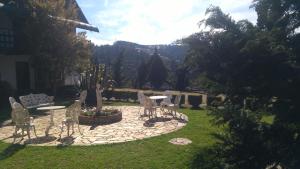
[[157, 97], [51, 109]]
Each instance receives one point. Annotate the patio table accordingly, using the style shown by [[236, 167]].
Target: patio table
[[156, 98], [51, 109]]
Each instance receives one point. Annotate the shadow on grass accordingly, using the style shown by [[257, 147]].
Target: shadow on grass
[[197, 108], [207, 159], [11, 150], [40, 140]]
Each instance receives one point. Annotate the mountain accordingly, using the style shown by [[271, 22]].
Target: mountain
[[174, 52], [134, 53]]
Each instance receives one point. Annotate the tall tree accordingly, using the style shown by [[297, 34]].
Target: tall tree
[[142, 72], [157, 70], [118, 70], [257, 69], [53, 44], [182, 78]]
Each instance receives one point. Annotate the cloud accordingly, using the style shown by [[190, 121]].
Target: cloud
[[154, 21]]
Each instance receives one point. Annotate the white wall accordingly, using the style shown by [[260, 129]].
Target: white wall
[[8, 69]]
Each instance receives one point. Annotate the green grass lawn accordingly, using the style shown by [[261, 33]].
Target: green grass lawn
[[153, 152]]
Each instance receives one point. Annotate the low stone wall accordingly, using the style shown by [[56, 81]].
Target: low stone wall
[[100, 120], [186, 103]]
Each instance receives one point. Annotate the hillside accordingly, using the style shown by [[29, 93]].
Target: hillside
[[135, 53]]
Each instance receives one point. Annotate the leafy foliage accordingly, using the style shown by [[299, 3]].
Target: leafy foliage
[[157, 71], [135, 60], [6, 91], [118, 70], [142, 74], [257, 68], [182, 79], [53, 44]]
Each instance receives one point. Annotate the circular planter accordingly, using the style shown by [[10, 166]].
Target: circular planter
[[101, 119]]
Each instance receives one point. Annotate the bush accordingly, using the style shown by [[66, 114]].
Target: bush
[[195, 101], [108, 94], [68, 92], [119, 95], [6, 91]]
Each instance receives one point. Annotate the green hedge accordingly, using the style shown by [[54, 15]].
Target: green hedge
[[120, 95], [6, 90], [195, 101]]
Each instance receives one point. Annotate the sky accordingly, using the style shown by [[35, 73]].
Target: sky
[[151, 22]]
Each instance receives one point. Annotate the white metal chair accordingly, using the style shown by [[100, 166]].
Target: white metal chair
[[72, 114], [13, 116], [167, 100], [22, 120], [174, 106], [150, 107], [82, 97], [141, 99]]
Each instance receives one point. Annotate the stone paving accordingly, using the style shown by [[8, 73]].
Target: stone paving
[[130, 128], [180, 141]]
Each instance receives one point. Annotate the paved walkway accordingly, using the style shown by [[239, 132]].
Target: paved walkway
[[130, 128]]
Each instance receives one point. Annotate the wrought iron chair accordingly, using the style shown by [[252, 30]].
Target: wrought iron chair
[[150, 107], [141, 99], [167, 100], [172, 108], [22, 120], [13, 116], [72, 114], [82, 97]]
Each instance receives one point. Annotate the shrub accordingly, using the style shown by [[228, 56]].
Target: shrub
[[68, 92], [6, 91], [195, 101]]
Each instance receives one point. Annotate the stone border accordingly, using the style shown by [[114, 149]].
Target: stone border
[[100, 120]]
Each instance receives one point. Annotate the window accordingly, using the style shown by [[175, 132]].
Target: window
[[6, 38]]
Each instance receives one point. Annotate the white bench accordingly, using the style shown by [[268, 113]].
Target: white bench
[[36, 100]]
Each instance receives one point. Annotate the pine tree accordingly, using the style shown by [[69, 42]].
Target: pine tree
[[142, 72], [117, 70], [157, 71]]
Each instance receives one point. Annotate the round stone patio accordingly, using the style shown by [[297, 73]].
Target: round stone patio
[[130, 128]]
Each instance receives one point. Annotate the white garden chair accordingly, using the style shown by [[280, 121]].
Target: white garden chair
[[167, 101], [13, 116], [141, 99], [173, 107], [82, 97], [22, 120], [150, 107], [72, 114]]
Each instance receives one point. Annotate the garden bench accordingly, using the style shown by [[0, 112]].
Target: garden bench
[[36, 100]]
